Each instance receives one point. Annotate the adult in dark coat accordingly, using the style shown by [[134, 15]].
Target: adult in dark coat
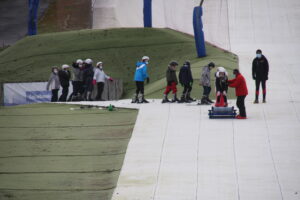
[[260, 72], [186, 80], [64, 78], [87, 77]]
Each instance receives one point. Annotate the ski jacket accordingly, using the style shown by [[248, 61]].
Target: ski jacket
[[77, 72], [205, 76], [53, 82], [141, 72], [221, 84], [185, 75], [171, 76], [260, 68], [239, 83], [87, 75], [100, 76], [64, 78]]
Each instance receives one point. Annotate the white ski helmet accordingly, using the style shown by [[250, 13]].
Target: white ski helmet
[[221, 69], [99, 63], [145, 58], [65, 66], [79, 61], [88, 61]]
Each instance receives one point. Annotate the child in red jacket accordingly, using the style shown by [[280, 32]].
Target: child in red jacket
[[241, 91]]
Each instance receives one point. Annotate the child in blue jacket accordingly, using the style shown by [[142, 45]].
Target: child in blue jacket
[[139, 77]]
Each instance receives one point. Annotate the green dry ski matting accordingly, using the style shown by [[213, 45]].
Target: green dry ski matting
[[52, 151]]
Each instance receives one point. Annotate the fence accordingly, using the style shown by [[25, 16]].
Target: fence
[[26, 93]]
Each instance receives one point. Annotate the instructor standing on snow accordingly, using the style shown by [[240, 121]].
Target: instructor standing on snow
[[260, 72], [241, 91], [140, 76]]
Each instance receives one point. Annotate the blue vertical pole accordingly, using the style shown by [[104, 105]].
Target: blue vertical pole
[[33, 16], [148, 13], [198, 31]]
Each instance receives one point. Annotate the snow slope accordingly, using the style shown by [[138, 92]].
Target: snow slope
[[176, 152]]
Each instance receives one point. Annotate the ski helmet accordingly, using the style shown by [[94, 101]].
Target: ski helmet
[[99, 63], [88, 61], [79, 61], [65, 66], [173, 63], [145, 58], [211, 64]]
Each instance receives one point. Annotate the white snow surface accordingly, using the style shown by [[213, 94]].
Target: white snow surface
[[176, 152]]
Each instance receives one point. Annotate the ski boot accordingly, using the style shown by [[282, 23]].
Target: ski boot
[[183, 99], [209, 101], [135, 99], [175, 99], [165, 100], [189, 98], [143, 100], [204, 101]]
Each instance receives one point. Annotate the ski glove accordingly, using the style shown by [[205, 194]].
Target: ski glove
[[94, 82], [148, 80], [111, 79]]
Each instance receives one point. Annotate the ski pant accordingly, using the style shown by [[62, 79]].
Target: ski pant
[[219, 96], [139, 87], [263, 85], [187, 88], [54, 97], [171, 87], [64, 95], [100, 87], [240, 103], [88, 88], [206, 90], [77, 87]]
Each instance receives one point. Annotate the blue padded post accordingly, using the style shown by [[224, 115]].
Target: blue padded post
[[198, 31], [33, 16], [148, 13]]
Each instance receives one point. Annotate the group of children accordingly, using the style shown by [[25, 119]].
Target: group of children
[[84, 76], [186, 80]]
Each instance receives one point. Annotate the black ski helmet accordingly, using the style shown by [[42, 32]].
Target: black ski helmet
[[173, 63], [211, 64]]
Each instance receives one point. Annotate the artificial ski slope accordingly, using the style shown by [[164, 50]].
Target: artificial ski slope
[[176, 152]]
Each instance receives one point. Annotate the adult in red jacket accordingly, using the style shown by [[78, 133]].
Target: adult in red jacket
[[241, 91]]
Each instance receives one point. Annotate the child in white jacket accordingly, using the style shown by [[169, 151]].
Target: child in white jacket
[[99, 79]]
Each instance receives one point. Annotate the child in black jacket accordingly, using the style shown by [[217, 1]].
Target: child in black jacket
[[221, 85], [186, 80]]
